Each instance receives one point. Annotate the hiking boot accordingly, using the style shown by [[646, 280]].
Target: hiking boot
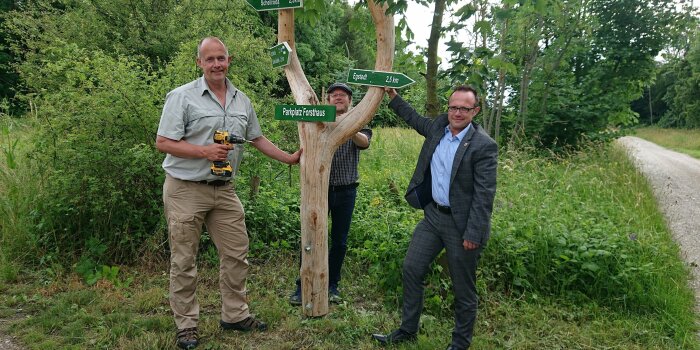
[[187, 338], [334, 295], [295, 299], [246, 325]]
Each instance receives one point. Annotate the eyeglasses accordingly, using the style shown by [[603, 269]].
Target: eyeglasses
[[454, 109], [338, 95]]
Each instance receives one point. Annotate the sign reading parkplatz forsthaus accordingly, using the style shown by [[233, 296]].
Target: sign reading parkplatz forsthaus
[[305, 113], [379, 78], [267, 5]]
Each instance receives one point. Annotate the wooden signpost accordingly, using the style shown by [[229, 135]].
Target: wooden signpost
[[320, 134]]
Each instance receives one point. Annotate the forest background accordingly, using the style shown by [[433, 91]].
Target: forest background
[[83, 82]]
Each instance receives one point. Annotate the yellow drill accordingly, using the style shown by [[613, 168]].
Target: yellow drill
[[223, 168]]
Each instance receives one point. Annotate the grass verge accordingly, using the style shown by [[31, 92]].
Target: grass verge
[[66, 314], [680, 140]]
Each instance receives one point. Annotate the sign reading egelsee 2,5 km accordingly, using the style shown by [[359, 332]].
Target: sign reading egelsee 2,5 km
[[379, 78], [267, 5]]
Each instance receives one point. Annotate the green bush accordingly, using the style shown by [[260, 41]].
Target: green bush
[[582, 226], [272, 219], [102, 172]]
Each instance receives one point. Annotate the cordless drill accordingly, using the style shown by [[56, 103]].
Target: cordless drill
[[223, 168]]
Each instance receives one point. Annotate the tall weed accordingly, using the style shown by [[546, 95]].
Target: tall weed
[[20, 186]]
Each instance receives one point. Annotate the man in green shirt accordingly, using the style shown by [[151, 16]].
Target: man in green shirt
[[192, 196]]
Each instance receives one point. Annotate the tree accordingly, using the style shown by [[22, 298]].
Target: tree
[[685, 104], [99, 104], [319, 141]]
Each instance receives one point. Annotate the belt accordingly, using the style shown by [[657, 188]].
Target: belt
[[214, 183], [443, 208], [342, 187]]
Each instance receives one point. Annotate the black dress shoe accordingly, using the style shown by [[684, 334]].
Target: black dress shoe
[[395, 337], [452, 347]]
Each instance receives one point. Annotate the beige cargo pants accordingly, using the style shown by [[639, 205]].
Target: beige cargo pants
[[189, 205]]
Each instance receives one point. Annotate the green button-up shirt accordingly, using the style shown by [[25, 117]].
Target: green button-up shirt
[[192, 112]]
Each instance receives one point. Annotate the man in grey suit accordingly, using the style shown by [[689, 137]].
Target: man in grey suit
[[455, 184]]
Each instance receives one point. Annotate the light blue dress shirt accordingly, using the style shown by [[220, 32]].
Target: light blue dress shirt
[[441, 164]]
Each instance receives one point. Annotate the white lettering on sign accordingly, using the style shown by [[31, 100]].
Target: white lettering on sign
[[314, 113], [392, 80], [291, 112], [356, 76], [269, 2], [303, 112], [294, 1]]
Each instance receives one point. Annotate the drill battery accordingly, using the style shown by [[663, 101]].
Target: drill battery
[[223, 168]]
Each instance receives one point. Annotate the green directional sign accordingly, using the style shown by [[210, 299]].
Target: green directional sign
[[379, 78], [267, 5], [280, 54], [305, 113]]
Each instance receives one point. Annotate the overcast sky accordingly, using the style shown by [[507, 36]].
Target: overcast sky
[[420, 18]]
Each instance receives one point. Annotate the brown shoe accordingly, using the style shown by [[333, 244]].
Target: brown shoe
[[187, 338], [246, 325]]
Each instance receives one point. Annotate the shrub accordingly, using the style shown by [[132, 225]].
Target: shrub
[[95, 147], [584, 225]]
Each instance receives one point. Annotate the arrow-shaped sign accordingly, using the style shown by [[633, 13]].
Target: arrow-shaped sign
[[379, 78], [266, 5], [280, 54]]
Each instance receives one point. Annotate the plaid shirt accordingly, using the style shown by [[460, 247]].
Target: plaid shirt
[[345, 161]]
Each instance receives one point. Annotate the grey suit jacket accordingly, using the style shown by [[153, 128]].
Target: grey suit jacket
[[473, 177]]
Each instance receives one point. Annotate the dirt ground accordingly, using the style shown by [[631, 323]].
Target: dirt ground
[[675, 178], [7, 342]]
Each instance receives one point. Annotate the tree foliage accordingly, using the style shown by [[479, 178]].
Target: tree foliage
[[683, 96], [99, 100], [560, 70], [8, 77]]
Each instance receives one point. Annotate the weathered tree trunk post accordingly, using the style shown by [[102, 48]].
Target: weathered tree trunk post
[[319, 141]]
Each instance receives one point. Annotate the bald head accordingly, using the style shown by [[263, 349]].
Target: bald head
[[207, 40]]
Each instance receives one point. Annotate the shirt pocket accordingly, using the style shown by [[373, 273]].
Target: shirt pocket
[[200, 115]]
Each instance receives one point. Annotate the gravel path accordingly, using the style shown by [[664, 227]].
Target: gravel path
[[675, 178]]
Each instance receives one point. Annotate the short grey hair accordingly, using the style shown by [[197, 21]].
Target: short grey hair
[[201, 42]]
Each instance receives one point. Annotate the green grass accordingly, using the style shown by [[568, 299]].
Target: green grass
[[579, 259], [680, 140], [20, 181], [66, 314]]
